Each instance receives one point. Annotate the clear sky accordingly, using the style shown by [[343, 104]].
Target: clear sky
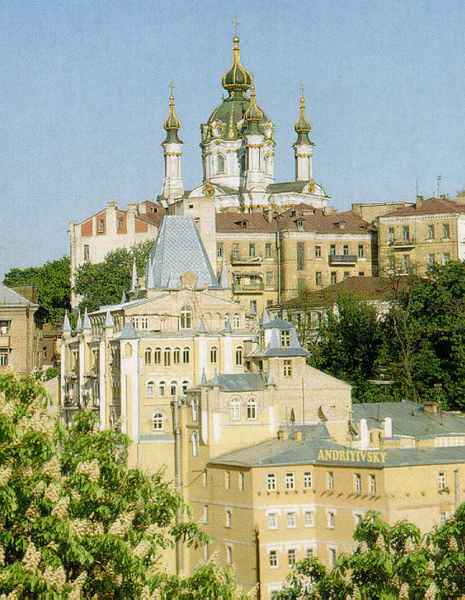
[[84, 93]]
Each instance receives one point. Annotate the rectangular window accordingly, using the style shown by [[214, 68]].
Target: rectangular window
[[287, 368], [446, 231], [252, 250], [332, 250], [309, 518], [391, 235], [332, 557], [300, 256], [318, 278], [241, 481], [228, 517], [307, 480], [442, 481], [273, 558], [229, 554], [309, 553], [235, 251], [361, 273], [285, 338], [253, 307], [219, 250], [317, 251], [331, 517], [271, 482], [345, 250], [301, 286], [445, 258], [3, 357], [357, 483], [406, 233], [290, 481], [227, 480], [86, 253], [333, 277], [361, 251], [292, 520], [431, 258], [100, 224], [430, 234], [346, 274], [291, 557], [372, 485], [268, 250], [269, 278], [330, 480], [272, 520], [5, 327]]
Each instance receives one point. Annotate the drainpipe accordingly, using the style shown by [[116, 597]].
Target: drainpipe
[[457, 488], [175, 405], [257, 558]]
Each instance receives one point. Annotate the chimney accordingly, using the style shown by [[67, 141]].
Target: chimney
[[282, 435], [363, 432], [298, 436], [419, 202], [388, 427], [430, 407]]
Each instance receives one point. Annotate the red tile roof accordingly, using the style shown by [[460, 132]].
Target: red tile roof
[[431, 206]]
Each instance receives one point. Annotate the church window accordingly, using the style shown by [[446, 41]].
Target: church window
[[186, 317], [176, 356], [220, 164], [150, 388], [287, 368], [239, 355], [148, 356], [157, 356], [161, 388], [167, 357], [195, 443], [173, 388], [251, 409], [213, 354], [157, 421], [235, 407], [285, 338], [186, 356]]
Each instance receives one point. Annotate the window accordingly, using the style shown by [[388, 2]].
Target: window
[[332, 557], [445, 258], [307, 480], [186, 356], [406, 233], [148, 356], [442, 481], [309, 553], [361, 273], [285, 338], [269, 278], [271, 482], [253, 307], [361, 251], [239, 355], [405, 263], [227, 480], [273, 559], [213, 354], [186, 317], [235, 251], [157, 356], [292, 520], [5, 327], [300, 256], [167, 357], [430, 234], [150, 388], [372, 485], [291, 556], [194, 409], [317, 251], [443, 516], [228, 514], [205, 513], [330, 480], [331, 519], [357, 483], [333, 277], [431, 259], [229, 554], [100, 224], [251, 409], [220, 164], [144, 323], [195, 443], [300, 225], [358, 517], [204, 478], [332, 250], [318, 278], [236, 321], [345, 250], [219, 250], [289, 481], [161, 388], [235, 409], [391, 235], [268, 250], [446, 231], [157, 421], [287, 368], [309, 518], [86, 253], [346, 274], [272, 520], [241, 481], [252, 250]]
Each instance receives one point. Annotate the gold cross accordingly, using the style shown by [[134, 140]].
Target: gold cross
[[235, 22], [171, 88], [301, 88]]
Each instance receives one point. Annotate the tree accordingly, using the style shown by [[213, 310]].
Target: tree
[[389, 563], [52, 281], [75, 521], [103, 283]]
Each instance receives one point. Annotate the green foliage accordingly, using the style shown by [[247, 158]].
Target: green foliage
[[389, 563], [75, 522], [104, 283], [52, 281]]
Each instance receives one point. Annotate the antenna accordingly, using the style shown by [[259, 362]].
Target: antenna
[[417, 191], [438, 184]]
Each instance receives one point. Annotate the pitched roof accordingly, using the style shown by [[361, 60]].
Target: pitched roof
[[287, 186], [431, 206], [178, 249], [239, 382], [11, 298], [234, 222]]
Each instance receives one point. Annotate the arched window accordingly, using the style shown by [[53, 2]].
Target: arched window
[[195, 443], [239, 355], [195, 410], [176, 356], [148, 356], [220, 163], [184, 386], [150, 388], [251, 409], [167, 357], [235, 409], [158, 421], [236, 323], [213, 354], [157, 356], [161, 388], [185, 355], [186, 317], [173, 388]]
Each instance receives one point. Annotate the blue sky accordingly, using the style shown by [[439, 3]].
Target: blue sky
[[84, 92]]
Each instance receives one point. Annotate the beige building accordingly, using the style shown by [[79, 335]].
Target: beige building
[[18, 333], [269, 452], [418, 236]]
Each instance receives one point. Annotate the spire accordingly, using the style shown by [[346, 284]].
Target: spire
[[302, 126], [254, 114], [203, 380], [109, 320], [223, 278], [134, 278], [237, 80], [172, 124], [79, 322], [86, 326], [66, 324]]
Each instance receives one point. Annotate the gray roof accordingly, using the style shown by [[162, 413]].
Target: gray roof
[[410, 419], [11, 298], [277, 324], [239, 382], [128, 332], [178, 249]]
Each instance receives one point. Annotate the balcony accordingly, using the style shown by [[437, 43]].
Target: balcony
[[402, 244], [342, 260], [237, 259], [248, 286]]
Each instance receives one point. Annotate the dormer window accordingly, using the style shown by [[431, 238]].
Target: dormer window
[[285, 338]]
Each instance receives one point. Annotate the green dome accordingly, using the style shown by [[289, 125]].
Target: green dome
[[172, 124], [302, 126], [237, 79]]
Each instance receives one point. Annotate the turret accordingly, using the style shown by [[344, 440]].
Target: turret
[[172, 149], [303, 147], [254, 137]]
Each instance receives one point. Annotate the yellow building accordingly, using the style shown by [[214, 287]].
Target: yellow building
[[418, 236]]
